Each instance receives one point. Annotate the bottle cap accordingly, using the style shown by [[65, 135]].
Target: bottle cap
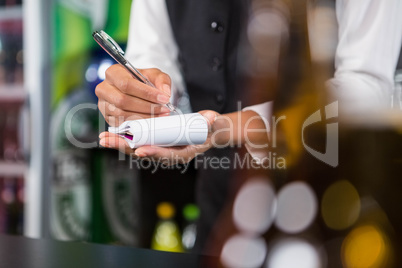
[[165, 210], [191, 212]]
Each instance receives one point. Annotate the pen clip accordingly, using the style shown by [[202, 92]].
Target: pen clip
[[113, 43], [110, 46]]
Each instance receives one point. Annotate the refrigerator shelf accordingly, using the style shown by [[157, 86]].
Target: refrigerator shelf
[[13, 92], [11, 13], [13, 169]]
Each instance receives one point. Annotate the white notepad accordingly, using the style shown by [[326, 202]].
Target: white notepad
[[175, 130]]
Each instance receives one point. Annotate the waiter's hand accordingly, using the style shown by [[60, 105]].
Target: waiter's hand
[[166, 155], [122, 97]]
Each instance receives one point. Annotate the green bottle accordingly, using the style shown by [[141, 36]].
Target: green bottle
[[167, 234], [190, 213]]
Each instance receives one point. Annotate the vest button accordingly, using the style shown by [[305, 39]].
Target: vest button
[[216, 64], [217, 27], [219, 98]]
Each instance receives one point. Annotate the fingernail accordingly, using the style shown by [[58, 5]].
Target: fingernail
[[140, 154], [102, 135], [166, 88], [163, 98], [165, 110], [102, 143], [215, 116], [211, 117]]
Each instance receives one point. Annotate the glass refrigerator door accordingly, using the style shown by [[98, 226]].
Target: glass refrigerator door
[[12, 98]]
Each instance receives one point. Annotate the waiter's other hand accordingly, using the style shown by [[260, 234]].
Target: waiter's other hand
[[122, 97], [166, 155]]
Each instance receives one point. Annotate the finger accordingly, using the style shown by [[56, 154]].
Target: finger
[[115, 116], [117, 121], [112, 117], [160, 154], [102, 107], [179, 154], [107, 134], [160, 79], [113, 96], [115, 142], [119, 78], [210, 116], [145, 151], [108, 109]]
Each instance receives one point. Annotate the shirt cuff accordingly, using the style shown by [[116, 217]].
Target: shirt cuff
[[264, 110]]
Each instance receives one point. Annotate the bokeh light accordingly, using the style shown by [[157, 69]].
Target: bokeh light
[[103, 66], [254, 206], [297, 207], [244, 251], [294, 253], [91, 74], [267, 24], [340, 206], [95, 72], [366, 246], [323, 30]]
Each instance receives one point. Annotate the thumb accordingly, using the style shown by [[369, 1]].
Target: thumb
[[210, 116]]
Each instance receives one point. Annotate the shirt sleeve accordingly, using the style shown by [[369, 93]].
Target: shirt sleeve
[[370, 33], [151, 43], [264, 110]]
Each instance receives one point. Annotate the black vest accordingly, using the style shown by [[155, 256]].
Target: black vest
[[207, 34]]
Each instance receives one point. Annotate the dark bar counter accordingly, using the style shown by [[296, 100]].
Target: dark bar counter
[[22, 252]]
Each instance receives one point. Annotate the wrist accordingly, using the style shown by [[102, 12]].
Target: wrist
[[220, 131]]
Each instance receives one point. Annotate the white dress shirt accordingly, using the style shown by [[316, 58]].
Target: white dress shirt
[[370, 33]]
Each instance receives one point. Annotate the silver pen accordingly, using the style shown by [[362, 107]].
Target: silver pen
[[115, 51]]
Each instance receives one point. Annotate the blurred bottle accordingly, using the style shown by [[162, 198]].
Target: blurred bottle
[[13, 206], [8, 200], [191, 214], [2, 209], [11, 55], [71, 191], [115, 199], [3, 117], [20, 193], [10, 136], [167, 234]]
